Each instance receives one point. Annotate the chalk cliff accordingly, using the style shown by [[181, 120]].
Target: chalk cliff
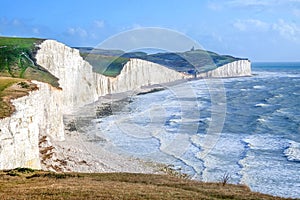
[[80, 85], [233, 69], [40, 114], [37, 114], [137, 73], [75, 75]]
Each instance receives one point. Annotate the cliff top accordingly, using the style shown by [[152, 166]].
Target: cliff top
[[17, 60], [111, 62], [12, 88], [32, 184]]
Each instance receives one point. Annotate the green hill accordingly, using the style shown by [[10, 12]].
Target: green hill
[[109, 63], [17, 60]]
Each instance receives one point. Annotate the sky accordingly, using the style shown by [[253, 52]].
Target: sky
[[261, 30]]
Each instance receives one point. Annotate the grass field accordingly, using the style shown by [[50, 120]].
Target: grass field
[[25, 183]]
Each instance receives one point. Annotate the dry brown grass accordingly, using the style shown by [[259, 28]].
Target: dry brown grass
[[12, 88], [46, 185]]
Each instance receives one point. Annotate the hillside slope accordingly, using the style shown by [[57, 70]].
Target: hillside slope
[[17, 60]]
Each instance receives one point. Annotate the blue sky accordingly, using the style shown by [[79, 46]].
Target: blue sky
[[261, 30]]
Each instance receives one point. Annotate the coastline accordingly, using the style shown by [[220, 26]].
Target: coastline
[[81, 153], [82, 149]]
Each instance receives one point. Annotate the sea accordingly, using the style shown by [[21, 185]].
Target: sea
[[246, 129]]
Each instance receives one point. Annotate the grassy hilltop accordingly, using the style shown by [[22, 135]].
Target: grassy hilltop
[[23, 183], [111, 62], [17, 60]]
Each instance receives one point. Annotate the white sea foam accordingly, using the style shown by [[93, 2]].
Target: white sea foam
[[261, 120], [293, 151], [265, 142], [244, 89], [226, 152], [254, 154], [263, 169], [261, 105], [278, 96], [258, 87]]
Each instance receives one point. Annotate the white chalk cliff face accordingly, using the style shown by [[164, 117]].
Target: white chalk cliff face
[[80, 85], [137, 73], [41, 113], [37, 114], [75, 75], [233, 69]]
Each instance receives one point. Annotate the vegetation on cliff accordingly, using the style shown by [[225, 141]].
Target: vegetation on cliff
[[17, 60], [12, 88]]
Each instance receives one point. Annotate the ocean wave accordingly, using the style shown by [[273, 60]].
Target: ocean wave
[[261, 120], [265, 142], [225, 152], [293, 151], [287, 115], [262, 105], [283, 111], [269, 74], [258, 87], [244, 89], [278, 96], [255, 146]]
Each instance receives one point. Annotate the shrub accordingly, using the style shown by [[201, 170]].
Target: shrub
[[24, 85], [226, 177]]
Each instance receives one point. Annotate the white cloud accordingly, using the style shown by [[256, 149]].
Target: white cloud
[[99, 23], [262, 3], [215, 6], [287, 30], [296, 12], [71, 31], [21, 28], [251, 2], [134, 26], [251, 24], [217, 37], [36, 31], [78, 31], [16, 22]]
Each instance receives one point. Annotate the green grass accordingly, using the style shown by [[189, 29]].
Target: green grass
[[106, 65], [27, 43], [17, 60], [24, 183]]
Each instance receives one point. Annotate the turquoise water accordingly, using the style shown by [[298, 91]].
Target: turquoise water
[[258, 144]]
